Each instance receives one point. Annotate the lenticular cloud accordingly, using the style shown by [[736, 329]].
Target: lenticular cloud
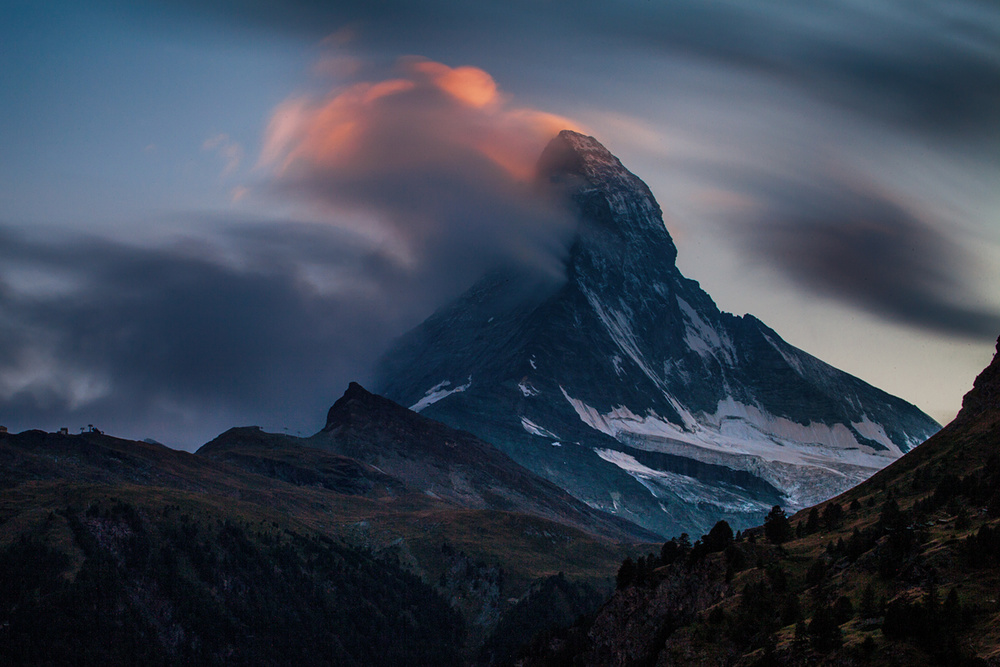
[[435, 160]]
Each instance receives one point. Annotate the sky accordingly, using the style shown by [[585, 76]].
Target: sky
[[219, 213]]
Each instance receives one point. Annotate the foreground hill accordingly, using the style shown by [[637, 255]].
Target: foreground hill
[[117, 552], [275, 550], [400, 446], [903, 569], [625, 385]]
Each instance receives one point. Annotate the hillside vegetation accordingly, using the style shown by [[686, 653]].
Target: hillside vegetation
[[263, 549], [903, 569]]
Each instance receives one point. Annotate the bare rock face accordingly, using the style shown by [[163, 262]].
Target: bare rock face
[[985, 393], [633, 626], [626, 385]]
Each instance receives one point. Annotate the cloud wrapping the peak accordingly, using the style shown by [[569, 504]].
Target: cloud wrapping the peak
[[436, 159], [428, 116]]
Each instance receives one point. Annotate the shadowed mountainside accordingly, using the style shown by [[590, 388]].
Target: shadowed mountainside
[[174, 556]]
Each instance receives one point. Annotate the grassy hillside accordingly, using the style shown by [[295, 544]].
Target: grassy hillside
[[904, 569], [131, 551], [170, 579]]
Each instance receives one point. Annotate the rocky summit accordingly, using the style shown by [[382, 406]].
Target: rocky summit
[[625, 384]]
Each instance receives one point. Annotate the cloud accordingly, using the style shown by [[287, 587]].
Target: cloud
[[265, 320], [436, 160], [935, 68], [230, 151], [415, 185], [931, 66], [859, 246]]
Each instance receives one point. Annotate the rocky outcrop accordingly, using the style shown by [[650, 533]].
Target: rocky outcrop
[[985, 393]]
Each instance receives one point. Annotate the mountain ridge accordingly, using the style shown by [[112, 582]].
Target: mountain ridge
[[985, 393], [258, 532], [375, 447], [451, 464]]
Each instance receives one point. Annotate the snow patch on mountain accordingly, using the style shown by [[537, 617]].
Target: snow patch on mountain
[[869, 429], [790, 359], [526, 388], [805, 460], [736, 427], [437, 392], [534, 429], [703, 339], [620, 329], [663, 484], [616, 361]]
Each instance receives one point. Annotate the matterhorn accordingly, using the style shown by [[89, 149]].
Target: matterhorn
[[626, 385]]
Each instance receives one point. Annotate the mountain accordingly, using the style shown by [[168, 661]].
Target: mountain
[[383, 443], [121, 552], [385, 538], [902, 569], [625, 385]]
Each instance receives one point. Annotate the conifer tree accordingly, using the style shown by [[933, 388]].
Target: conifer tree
[[777, 529]]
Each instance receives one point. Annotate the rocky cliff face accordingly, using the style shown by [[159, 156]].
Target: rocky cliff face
[[626, 385], [985, 393]]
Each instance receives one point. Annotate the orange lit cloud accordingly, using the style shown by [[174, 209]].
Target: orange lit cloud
[[434, 163], [437, 112], [469, 85]]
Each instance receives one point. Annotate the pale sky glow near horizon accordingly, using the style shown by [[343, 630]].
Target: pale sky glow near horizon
[[214, 214]]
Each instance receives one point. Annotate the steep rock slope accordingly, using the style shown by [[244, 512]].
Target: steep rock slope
[[627, 386]]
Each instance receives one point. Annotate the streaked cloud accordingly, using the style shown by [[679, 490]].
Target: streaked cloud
[[860, 246], [230, 151], [934, 66], [181, 340]]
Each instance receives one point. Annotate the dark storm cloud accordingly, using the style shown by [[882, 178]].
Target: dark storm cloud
[[868, 251], [932, 66], [267, 321]]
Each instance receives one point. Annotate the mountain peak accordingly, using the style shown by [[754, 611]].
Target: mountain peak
[[609, 196], [345, 406], [355, 390], [628, 386], [574, 153], [985, 392], [451, 465]]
